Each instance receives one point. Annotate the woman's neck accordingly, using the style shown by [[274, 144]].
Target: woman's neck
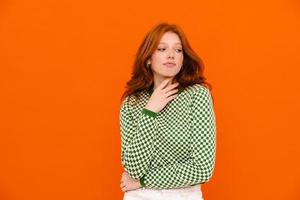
[[159, 80]]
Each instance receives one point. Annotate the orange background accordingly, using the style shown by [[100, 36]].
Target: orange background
[[64, 65]]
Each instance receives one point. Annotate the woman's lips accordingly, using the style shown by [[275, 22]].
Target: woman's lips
[[169, 64]]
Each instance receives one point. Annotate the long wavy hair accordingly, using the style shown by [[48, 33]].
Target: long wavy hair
[[142, 76]]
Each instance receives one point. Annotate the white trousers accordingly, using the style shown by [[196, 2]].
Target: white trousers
[[186, 193]]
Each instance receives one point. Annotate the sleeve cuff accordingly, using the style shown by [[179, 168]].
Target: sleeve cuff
[[142, 181], [149, 112]]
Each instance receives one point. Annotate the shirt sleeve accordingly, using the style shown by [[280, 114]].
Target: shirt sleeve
[[200, 165], [137, 140]]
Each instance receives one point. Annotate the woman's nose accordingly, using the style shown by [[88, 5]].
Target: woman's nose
[[170, 54]]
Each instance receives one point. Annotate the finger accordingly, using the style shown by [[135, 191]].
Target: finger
[[124, 174], [171, 92], [123, 179], [164, 83], [124, 188], [170, 87], [171, 97]]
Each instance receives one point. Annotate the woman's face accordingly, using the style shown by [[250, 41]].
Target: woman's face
[[167, 59]]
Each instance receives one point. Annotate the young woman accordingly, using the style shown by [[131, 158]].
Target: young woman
[[167, 121]]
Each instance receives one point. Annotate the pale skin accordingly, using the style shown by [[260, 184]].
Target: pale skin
[[169, 50]]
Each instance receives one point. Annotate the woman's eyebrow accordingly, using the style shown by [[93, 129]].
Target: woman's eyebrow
[[166, 43]]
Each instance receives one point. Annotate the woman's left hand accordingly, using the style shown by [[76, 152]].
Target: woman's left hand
[[128, 183]]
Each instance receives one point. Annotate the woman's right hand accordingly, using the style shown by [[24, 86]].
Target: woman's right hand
[[162, 95]]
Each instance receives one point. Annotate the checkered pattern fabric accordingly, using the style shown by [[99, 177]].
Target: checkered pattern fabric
[[173, 148]]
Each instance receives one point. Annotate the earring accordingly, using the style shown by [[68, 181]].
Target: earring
[[148, 64]]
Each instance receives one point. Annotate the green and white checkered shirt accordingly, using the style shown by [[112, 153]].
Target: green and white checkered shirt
[[173, 148]]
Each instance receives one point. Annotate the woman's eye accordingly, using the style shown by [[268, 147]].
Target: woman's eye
[[161, 49]]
